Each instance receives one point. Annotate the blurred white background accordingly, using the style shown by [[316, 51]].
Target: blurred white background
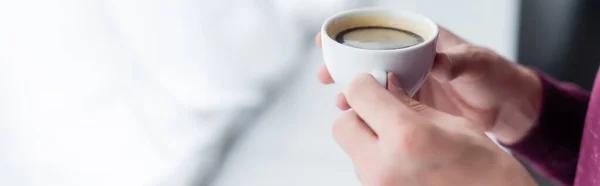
[[185, 92]]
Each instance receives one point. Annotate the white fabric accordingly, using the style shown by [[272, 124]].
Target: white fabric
[[132, 92]]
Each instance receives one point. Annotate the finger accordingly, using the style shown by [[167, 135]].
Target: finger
[[341, 102], [463, 62], [318, 40], [429, 113], [433, 94], [374, 104], [441, 69], [324, 76], [396, 89], [353, 134], [447, 39]]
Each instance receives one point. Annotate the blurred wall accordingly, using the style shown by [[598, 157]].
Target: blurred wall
[[565, 44]]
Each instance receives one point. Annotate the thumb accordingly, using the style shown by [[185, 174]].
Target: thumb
[[447, 39], [424, 110], [442, 68], [461, 63]]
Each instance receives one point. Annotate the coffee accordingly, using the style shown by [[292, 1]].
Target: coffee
[[378, 38]]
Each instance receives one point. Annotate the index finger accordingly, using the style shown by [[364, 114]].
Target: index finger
[[374, 104]]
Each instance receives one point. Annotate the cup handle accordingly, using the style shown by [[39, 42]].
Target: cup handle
[[381, 77]]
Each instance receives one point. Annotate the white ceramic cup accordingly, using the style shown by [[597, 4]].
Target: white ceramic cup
[[411, 64]]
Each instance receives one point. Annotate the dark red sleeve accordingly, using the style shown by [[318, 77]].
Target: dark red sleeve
[[552, 145]]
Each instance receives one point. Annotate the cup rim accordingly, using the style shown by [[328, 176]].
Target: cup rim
[[336, 16]]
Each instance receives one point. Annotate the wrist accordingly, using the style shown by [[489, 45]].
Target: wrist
[[512, 171], [494, 167], [521, 109], [483, 164]]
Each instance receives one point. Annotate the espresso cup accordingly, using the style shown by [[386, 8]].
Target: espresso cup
[[411, 64]]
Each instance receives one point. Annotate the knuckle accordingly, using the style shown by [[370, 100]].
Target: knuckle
[[410, 140], [484, 50], [477, 53], [405, 139], [408, 113], [404, 99], [471, 50], [461, 48], [416, 105], [480, 54]]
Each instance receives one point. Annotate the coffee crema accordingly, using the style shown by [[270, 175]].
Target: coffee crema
[[378, 38]]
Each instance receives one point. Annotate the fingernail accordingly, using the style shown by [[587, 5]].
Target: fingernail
[[394, 83]]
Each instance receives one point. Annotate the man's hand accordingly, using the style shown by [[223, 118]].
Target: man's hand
[[494, 94], [395, 140]]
